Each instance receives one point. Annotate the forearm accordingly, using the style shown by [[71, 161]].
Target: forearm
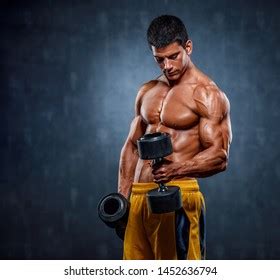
[[204, 164], [127, 166]]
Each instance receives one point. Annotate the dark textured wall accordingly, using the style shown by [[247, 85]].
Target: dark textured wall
[[69, 74]]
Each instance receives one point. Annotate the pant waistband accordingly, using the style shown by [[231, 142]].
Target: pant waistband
[[190, 185]]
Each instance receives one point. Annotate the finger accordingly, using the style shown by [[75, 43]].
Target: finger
[[159, 170], [160, 177]]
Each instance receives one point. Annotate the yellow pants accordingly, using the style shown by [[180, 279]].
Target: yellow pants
[[169, 236]]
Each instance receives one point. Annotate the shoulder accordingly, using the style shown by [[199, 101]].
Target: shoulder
[[159, 81], [147, 86], [141, 92], [211, 101]]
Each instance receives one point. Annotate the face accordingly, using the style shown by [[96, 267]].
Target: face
[[173, 59]]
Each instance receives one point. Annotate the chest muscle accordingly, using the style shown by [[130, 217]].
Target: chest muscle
[[170, 107]]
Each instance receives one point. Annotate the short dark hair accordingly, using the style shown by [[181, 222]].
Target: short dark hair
[[166, 29]]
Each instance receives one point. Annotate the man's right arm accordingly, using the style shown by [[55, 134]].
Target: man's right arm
[[129, 153], [129, 156]]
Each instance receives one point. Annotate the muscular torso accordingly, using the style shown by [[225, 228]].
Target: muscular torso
[[172, 110]]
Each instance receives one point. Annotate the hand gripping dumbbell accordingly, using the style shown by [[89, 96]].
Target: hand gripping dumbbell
[[156, 146], [113, 210]]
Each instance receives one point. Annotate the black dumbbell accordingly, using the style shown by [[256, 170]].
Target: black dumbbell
[[156, 146], [113, 210]]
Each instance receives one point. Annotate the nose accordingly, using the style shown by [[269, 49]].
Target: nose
[[167, 64]]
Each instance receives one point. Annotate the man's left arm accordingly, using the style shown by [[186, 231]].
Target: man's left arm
[[215, 138]]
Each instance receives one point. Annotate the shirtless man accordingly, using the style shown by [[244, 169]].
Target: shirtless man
[[189, 106]]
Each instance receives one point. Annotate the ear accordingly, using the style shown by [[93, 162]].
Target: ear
[[189, 47]]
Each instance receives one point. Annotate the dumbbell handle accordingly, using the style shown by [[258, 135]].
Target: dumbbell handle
[[162, 187], [157, 160]]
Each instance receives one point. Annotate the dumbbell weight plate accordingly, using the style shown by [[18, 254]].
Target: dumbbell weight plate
[[154, 145], [164, 201], [113, 209]]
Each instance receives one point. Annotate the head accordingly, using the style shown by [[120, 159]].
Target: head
[[168, 39]]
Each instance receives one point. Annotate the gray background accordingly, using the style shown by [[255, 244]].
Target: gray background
[[69, 74]]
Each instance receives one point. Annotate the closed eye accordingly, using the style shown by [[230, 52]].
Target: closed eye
[[159, 59], [173, 56]]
